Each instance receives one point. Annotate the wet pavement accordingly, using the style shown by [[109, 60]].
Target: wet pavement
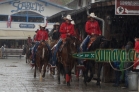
[[17, 76]]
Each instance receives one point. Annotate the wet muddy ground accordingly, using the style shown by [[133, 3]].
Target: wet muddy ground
[[17, 76]]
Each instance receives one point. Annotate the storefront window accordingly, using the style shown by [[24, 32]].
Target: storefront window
[[27, 16], [36, 19], [19, 18], [3, 17]]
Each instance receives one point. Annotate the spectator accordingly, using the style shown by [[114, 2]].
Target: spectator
[[2, 50], [54, 34], [127, 64]]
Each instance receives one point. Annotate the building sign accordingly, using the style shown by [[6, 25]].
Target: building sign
[[34, 6], [27, 26], [106, 55], [127, 7]]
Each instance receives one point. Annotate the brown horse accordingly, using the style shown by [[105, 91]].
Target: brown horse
[[42, 58], [27, 52], [65, 59]]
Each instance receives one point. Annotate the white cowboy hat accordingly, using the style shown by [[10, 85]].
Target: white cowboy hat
[[92, 15], [68, 17], [57, 23], [72, 22], [42, 25]]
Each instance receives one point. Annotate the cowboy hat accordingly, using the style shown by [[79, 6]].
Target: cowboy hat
[[37, 30], [42, 25], [68, 17], [72, 22], [57, 23], [92, 15]]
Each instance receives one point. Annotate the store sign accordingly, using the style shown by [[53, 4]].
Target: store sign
[[127, 7], [35, 6], [27, 26], [106, 55]]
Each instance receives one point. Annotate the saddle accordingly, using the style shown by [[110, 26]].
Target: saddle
[[92, 39]]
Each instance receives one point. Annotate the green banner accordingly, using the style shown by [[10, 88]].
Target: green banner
[[106, 55]]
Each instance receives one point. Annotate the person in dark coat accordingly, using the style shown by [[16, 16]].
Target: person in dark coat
[[127, 64], [54, 34]]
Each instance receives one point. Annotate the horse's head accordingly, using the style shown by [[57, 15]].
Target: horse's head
[[42, 49], [72, 43]]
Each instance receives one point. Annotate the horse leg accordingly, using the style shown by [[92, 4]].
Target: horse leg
[[40, 70], [98, 74], [90, 65], [44, 70], [77, 73], [35, 71], [68, 76], [85, 74], [58, 73], [26, 58]]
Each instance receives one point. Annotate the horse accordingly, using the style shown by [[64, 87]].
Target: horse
[[99, 43], [42, 58], [27, 52], [65, 60]]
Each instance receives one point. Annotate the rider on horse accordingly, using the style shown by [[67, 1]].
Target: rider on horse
[[66, 29], [29, 41], [93, 30], [41, 35], [54, 34]]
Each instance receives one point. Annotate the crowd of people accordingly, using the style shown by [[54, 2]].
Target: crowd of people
[[60, 32]]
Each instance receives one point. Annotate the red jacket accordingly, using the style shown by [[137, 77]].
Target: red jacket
[[64, 28], [41, 35], [92, 27], [136, 46]]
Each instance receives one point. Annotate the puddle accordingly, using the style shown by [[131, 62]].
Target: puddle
[[11, 66], [15, 62]]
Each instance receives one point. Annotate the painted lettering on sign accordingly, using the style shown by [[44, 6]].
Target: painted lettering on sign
[[35, 6]]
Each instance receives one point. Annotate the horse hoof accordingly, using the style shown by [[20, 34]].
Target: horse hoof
[[85, 83], [98, 84]]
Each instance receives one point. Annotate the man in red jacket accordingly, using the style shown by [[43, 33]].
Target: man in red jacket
[[41, 35], [92, 29], [66, 29]]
